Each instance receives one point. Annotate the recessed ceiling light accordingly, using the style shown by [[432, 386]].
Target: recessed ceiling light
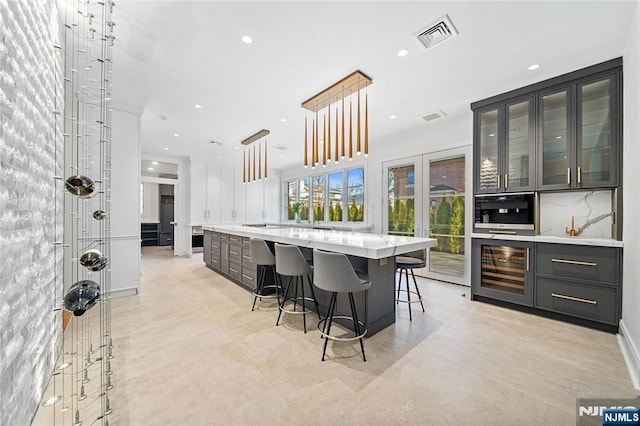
[[392, 117], [246, 39], [282, 156], [150, 169], [175, 134], [283, 120], [533, 67], [198, 106], [166, 149], [219, 157], [236, 147], [155, 163], [402, 52]]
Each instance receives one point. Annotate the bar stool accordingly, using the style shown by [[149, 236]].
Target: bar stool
[[408, 262], [290, 262], [261, 255], [333, 273]]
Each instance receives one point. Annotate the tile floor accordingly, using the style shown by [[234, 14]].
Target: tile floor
[[189, 351]]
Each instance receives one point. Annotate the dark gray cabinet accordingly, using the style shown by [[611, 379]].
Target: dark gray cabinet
[[231, 256], [206, 248], [504, 148], [561, 133], [579, 133], [503, 270], [580, 281]]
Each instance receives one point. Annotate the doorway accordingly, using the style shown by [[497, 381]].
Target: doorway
[[428, 196]]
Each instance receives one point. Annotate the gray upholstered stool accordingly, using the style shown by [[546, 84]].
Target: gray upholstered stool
[[261, 256], [405, 263], [290, 262], [333, 273]]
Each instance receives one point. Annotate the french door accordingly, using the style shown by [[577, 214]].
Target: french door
[[430, 196]]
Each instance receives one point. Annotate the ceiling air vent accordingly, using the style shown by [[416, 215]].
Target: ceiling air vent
[[434, 115], [215, 143], [281, 147], [439, 31]]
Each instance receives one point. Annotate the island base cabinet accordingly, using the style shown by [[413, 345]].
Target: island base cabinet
[[587, 301]]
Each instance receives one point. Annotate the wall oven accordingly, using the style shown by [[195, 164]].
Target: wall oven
[[514, 213]]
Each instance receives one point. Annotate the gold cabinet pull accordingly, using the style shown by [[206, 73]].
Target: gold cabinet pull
[[527, 259], [568, 175], [234, 270], [506, 180], [579, 174], [247, 277], [574, 299], [234, 253], [574, 262], [498, 181]]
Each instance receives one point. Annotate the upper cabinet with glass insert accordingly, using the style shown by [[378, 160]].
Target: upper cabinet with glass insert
[[504, 147], [579, 134], [562, 133]]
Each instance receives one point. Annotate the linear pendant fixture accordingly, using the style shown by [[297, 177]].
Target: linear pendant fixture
[[252, 169], [349, 87]]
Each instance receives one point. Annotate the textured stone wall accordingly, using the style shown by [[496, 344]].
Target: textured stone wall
[[30, 204]]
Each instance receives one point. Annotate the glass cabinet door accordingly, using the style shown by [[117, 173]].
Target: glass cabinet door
[[554, 125], [489, 178], [519, 146], [594, 143]]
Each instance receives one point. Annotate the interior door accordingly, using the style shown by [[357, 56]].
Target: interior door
[[447, 214], [402, 189]]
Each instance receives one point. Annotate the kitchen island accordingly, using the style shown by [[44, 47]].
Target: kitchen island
[[227, 252]]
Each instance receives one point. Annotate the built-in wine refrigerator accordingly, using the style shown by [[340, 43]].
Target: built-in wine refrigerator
[[503, 270]]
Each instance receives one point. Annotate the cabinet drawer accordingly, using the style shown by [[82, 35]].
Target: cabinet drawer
[[249, 276], [235, 254], [224, 237], [234, 239], [598, 264], [246, 255], [214, 235], [215, 262], [597, 303], [246, 242], [235, 271], [215, 246]]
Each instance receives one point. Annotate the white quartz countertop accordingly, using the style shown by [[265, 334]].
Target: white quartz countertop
[[583, 241], [372, 246]]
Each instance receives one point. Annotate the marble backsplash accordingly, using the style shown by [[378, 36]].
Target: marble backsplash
[[592, 212]]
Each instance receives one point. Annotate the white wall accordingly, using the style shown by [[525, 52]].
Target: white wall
[[125, 200], [630, 323], [150, 202]]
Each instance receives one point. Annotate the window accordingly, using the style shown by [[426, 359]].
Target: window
[[332, 197], [335, 196], [303, 198], [319, 197], [355, 191]]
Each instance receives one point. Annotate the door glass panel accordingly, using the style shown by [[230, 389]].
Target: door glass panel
[[447, 216], [401, 200], [503, 268], [518, 145], [554, 139], [488, 150], [355, 194], [303, 198], [335, 196], [595, 134], [319, 190]]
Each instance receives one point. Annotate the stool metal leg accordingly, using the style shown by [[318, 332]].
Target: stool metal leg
[[406, 275], [259, 286], [332, 306], [356, 324], [313, 294], [277, 282], [284, 299], [304, 308], [415, 283], [399, 284]]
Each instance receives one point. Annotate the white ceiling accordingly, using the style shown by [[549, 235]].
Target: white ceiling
[[171, 55]]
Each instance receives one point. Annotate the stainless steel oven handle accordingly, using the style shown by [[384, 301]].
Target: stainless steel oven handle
[[491, 231]]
